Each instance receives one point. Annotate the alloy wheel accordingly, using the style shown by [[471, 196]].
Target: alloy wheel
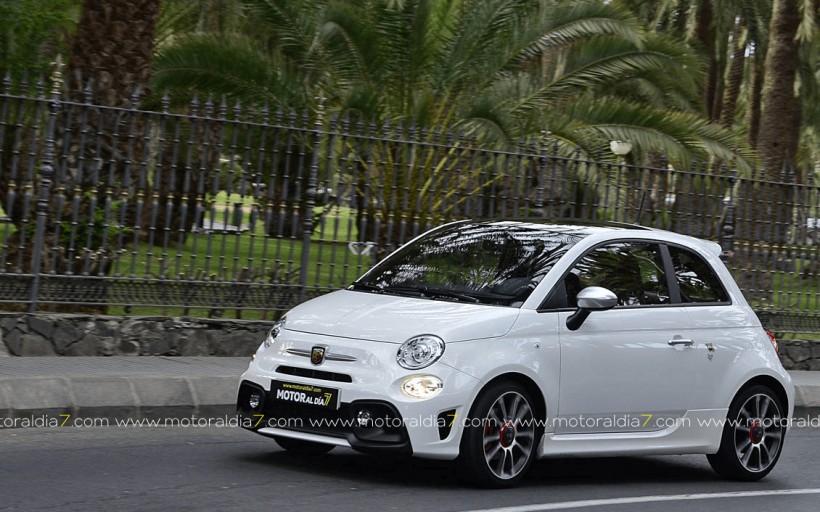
[[509, 435], [758, 433]]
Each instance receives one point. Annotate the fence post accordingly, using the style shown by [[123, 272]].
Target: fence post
[[310, 200], [44, 195]]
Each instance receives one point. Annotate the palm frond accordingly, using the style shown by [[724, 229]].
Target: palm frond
[[593, 76], [570, 22], [679, 135], [227, 65]]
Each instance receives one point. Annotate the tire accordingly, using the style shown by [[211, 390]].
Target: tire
[[753, 436], [301, 447], [500, 437]]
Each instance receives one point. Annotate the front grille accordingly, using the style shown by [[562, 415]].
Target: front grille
[[311, 373], [368, 425]]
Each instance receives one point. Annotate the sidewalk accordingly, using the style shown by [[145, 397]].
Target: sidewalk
[[159, 387]]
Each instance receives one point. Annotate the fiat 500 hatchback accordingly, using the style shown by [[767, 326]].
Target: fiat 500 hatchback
[[494, 343]]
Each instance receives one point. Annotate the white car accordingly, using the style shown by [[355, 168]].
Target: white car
[[496, 342]]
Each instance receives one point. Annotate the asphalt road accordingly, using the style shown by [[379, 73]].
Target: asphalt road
[[230, 469]]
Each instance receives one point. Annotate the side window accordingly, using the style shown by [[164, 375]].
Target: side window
[[696, 279], [632, 270]]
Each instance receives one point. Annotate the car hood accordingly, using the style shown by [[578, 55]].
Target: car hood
[[395, 319]]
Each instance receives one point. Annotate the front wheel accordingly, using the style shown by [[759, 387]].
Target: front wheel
[[302, 447], [500, 437], [753, 436]]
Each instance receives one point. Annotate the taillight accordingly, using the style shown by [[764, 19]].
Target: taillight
[[774, 341]]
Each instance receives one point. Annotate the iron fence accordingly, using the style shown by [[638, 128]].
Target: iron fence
[[216, 209]]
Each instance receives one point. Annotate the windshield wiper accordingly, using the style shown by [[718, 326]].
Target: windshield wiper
[[427, 291], [367, 287]]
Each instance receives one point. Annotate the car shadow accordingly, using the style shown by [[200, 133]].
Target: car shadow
[[414, 472], [652, 469]]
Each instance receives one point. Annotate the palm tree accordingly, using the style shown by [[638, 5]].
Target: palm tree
[[500, 69]]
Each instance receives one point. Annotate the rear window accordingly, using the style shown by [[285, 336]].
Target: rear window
[[697, 281]]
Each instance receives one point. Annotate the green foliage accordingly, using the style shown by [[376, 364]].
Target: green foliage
[[33, 33], [99, 232], [499, 69]]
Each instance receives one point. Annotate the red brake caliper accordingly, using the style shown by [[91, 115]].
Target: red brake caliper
[[752, 430], [507, 434]]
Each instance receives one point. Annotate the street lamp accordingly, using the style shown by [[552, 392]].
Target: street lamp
[[620, 147]]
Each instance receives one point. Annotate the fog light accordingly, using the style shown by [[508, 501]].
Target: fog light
[[254, 400], [364, 417], [421, 386]]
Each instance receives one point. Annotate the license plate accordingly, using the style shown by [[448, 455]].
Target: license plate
[[305, 394]]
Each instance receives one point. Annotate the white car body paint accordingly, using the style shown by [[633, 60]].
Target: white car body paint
[[619, 362]]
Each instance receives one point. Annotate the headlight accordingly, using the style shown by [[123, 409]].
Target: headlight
[[420, 352], [274, 332], [421, 386]]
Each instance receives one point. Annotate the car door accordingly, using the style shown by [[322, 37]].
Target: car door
[[721, 329], [628, 369]]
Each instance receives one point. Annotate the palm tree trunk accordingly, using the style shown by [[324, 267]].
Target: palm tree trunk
[[114, 46], [778, 138], [704, 33], [778, 131], [755, 99], [765, 207], [109, 66], [735, 78]]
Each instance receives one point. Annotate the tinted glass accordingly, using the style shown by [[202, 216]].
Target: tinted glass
[[696, 279], [632, 270], [493, 263]]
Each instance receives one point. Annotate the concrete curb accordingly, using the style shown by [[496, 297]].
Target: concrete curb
[[806, 394], [119, 388]]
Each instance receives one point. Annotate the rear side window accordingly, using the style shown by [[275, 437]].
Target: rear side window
[[697, 281]]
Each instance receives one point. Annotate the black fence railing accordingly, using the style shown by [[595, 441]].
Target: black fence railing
[[214, 209]]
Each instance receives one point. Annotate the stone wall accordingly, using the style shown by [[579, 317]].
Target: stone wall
[[87, 335], [800, 354]]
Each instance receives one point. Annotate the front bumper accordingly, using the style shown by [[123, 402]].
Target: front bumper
[[384, 431], [368, 379]]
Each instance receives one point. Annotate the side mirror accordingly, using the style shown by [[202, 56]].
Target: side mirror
[[591, 298]]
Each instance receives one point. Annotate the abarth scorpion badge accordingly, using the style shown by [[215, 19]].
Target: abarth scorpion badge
[[317, 355]]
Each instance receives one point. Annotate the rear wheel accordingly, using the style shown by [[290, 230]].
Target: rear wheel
[[302, 447], [752, 437], [500, 438]]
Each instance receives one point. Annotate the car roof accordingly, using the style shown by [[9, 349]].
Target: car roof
[[585, 228], [579, 227]]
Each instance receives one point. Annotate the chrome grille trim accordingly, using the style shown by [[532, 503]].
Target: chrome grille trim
[[330, 356]]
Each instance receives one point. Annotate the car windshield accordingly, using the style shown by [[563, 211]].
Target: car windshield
[[496, 263]]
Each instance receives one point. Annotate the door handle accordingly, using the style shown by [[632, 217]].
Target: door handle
[[680, 341]]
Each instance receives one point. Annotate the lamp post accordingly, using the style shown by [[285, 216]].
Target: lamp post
[[621, 148], [727, 228]]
